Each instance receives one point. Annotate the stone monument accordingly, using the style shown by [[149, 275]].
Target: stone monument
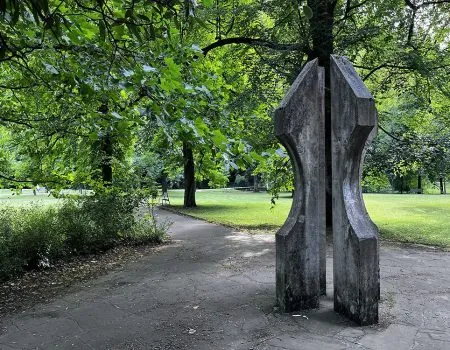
[[301, 242], [355, 236]]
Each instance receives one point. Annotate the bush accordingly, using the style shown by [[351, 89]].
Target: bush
[[146, 230], [375, 182], [29, 238], [33, 237], [98, 222]]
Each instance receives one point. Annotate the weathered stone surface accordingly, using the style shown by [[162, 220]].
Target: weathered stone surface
[[300, 243], [355, 236]]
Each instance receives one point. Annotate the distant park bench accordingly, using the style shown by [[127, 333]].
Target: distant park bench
[[416, 190], [164, 197]]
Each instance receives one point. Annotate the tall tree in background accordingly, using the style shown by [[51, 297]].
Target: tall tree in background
[[389, 42]]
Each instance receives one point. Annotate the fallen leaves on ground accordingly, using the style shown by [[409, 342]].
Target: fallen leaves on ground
[[41, 286]]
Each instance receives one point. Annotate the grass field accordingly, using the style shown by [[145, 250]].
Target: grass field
[[412, 218], [9, 198]]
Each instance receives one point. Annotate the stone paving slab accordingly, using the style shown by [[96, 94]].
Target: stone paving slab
[[214, 288]]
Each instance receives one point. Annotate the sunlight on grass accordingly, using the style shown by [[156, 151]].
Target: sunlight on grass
[[411, 218], [12, 199], [423, 219], [242, 209]]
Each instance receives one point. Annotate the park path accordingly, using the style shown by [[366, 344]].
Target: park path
[[213, 288]]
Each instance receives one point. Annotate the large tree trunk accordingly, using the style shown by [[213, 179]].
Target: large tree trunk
[[255, 183], [321, 26], [106, 151], [106, 147], [189, 176]]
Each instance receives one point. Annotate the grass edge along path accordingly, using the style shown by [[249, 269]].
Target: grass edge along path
[[406, 218]]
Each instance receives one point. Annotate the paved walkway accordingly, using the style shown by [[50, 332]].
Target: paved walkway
[[213, 288]]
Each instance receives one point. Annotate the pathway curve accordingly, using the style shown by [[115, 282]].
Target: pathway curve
[[213, 288]]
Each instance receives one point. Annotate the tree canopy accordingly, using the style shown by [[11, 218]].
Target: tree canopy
[[116, 91]]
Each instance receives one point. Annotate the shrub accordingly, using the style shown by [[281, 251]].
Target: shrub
[[33, 237], [147, 229], [375, 182], [29, 238], [98, 222]]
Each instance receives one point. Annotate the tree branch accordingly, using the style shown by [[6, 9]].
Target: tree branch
[[26, 181], [435, 2], [254, 42], [20, 122], [7, 87], [411, 27], [381, 66], [391, 135], [394, 66], [411, 5], [349, 8], [415, 7]]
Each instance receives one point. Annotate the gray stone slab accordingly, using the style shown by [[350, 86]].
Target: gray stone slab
[[300, 243], [355, 236], [395, 337]]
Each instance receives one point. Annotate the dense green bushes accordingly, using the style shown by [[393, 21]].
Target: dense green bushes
[[32, 237]]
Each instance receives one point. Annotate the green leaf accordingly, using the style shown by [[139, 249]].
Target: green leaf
[[123, 94], [171, 76], [85, 89], [202, 23], [240, 163], [122, 126], [255, 156], [201, 127], [307, 11], [118, 31], [219, 139], [208, 3], [134, 30]]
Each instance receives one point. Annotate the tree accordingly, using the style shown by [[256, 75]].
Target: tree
[[76, 72], [386, 41], [200, 79]]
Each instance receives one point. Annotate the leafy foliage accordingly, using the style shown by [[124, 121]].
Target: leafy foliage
[[90, 89], [32, 237]]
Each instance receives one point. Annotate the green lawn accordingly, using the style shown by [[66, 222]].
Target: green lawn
[[9, 198], [412, 218]]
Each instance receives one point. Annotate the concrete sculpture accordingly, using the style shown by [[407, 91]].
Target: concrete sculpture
[[301, 242], [355, 236]]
